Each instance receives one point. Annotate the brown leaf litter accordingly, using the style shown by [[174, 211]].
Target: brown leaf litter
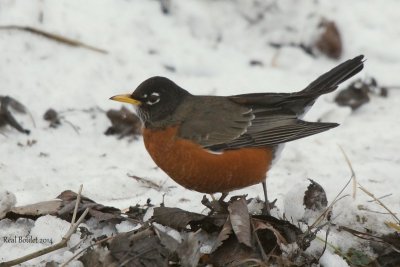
[[124, 123], [358, 93], [229, 236]]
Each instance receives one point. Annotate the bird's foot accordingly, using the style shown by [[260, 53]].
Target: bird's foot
[[268, 206], [215, 206]]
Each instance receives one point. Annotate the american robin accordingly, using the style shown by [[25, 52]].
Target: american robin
[[221, 143]]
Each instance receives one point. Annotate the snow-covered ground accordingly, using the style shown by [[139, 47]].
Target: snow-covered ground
[[210, 44]]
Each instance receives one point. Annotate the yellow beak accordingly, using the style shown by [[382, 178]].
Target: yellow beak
[[126, 99]]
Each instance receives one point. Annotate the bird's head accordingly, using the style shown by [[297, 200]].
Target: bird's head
[[155, 98]]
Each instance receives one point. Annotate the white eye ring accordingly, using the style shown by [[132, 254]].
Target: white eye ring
[[154, 98]]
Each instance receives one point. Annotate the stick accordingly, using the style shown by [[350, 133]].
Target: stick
[[326, 242], [330, 206], [54, 37], [353, 174], [86, 248], [61, 244], [78, 200], [379, 202], [72, 125]]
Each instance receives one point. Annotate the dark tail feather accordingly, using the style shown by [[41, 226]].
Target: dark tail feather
[[329, 81], [299, 102]]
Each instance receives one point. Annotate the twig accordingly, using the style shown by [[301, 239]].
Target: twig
[[264, 256], [365, 236], [54, 37], [61, 244], [393, 225], [32, 119], [360, 207], [335, 249], [369, 237], [352, 178], [382, 197], [148, 183], [330, 206], [379, 202], [72, 125], [78, 200], [86, 248], [326, 242], [353, 174]]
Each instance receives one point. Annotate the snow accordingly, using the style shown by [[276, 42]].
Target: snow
[[328, 259], [293, 205], [210, 44], [7, 201]]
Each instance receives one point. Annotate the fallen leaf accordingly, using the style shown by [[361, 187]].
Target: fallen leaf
[[189, 249], [388, 253], [329, 42], [240, 220], [272, 231], [143, 248], [33, 211], [98, 211], [52, 116], [123, 123], [175, 218], [315, 197], [357, 93], [280, 240], [226, 231], [95, 258], [232, 253], [137, 212]]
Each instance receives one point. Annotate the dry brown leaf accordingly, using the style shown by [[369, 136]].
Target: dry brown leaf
[[224, 234], [240, 221], [315, 197], [95, 258], [189, 249], [51, 115], [388, 252], [98, 211], [174, 217], [36, 210], [139, 249], [280, 240], [166, 240], [329, 42], [179, 219], [124, 123], [231, 253]]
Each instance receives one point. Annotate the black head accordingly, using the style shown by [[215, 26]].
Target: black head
[[156, 98]]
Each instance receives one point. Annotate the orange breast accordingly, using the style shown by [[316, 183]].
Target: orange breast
[[197, 169]]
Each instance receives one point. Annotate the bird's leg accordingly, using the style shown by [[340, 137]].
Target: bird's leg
[[220, 205], [208, 204], [216, 205], [223, 196], [267, 208]]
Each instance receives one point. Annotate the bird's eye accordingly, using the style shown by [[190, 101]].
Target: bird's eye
[[153, 98]]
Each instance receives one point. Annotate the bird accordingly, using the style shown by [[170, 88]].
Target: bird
[[217, 144]]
